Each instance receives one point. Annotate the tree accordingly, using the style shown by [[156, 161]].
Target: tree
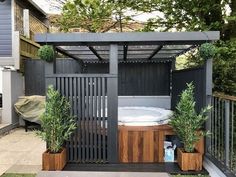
[[194, 15], [94, 15], [200, 15]]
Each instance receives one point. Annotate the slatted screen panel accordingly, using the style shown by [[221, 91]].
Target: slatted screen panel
[[88, 99]]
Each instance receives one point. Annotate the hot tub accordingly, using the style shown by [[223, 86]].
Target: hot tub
[[142, 132], [143, 116]]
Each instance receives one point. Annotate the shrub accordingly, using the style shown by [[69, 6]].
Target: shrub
[[207, 51], [46, 53], [186, 121], [57, 123]]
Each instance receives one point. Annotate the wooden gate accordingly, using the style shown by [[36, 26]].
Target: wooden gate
[[95, 139]]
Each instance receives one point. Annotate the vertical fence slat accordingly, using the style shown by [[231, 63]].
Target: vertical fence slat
[[103, 120], [71, 140], [91, 118], [99, 121], [83, 119], [75, 114], [79, 117], [95, 119], [87, 118]]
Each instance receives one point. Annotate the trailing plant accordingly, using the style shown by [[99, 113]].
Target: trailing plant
[[186, 122], [46, 53], [207, 51], [56, 122]]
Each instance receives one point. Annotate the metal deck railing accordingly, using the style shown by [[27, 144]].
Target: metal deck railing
[[222, 149]]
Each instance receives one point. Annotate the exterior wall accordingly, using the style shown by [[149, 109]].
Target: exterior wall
[[12, 89], [5, 29]]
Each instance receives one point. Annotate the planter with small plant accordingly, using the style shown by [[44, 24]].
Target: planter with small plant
[[57, 125], [46, 53], [187, 124]]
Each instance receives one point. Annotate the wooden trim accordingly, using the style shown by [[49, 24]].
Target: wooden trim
[[29, 41], [223, 96]]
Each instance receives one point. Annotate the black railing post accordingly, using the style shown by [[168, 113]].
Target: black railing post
[[112, 106], [227, 132]]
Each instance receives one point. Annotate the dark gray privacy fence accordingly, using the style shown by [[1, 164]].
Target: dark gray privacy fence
[[138, 78], [91, 99], [179, 80], [146, 78], [222, 149], [35, 74]]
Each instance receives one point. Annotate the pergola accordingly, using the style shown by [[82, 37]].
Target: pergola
[[131, 46], [102, 89]]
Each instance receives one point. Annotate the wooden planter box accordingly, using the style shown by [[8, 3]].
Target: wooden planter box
[[189, 161], [53, 162]]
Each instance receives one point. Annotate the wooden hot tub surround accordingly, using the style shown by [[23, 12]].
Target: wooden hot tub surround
[[145, 144]]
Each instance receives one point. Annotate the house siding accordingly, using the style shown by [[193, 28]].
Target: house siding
[[5, 29]]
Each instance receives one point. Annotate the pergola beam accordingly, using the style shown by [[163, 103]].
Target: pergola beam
[[64, 52], [125, 48], [134, 38], [155, 52], [95, 52]]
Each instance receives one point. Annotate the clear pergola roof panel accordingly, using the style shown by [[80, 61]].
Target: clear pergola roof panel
[[126, 52]]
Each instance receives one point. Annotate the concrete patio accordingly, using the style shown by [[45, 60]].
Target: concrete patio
[[21, 152]]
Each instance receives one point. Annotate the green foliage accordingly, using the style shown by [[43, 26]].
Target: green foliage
[[46, 53], [207, 51], [93, 15], [224, 67], [186, 121], [57, 123]]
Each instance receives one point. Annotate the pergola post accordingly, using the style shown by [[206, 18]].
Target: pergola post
[[208, 96], [112, 105]]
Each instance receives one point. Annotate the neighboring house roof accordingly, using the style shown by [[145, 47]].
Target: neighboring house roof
[[37, 7], [33, 8]]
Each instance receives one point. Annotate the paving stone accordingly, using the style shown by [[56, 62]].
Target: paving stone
[[99, 174], [28, 169], [4, 168]]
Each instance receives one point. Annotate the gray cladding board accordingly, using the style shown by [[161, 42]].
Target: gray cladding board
[[134, 78], [5, 29], [138, 78], [35, 78], [179, 80]]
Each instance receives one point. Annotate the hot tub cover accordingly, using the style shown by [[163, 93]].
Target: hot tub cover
[[143, 116], [30, 108]]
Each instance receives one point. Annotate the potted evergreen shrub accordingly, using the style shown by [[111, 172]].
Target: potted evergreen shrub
[[57, 125], [187, 124]]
